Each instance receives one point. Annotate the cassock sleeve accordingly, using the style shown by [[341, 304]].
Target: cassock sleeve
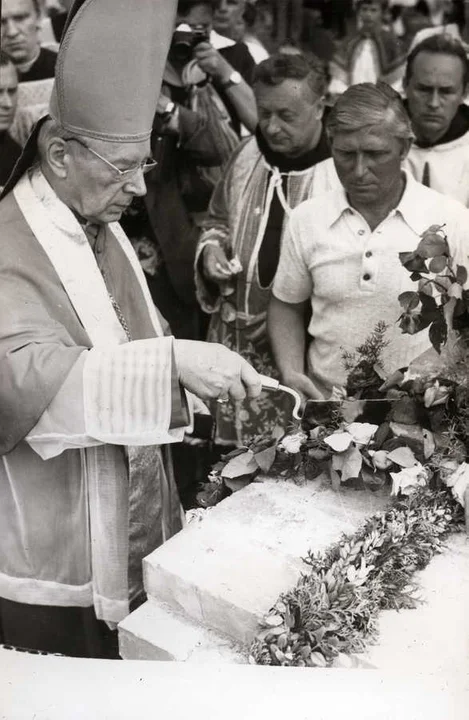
[[36, 355], [123, 396]]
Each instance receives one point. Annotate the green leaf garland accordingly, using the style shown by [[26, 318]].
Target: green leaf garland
[[333, 610]]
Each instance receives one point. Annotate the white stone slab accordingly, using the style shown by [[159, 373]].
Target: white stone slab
[[153, 632], [434, 637], [227, 571]]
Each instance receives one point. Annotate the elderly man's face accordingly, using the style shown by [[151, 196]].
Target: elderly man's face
[[368, 163], [20, 30], [94, 190], [434, 91], [289, 116], [8, 95]]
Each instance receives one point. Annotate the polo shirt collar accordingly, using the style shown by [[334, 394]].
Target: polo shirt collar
[[412, 207]]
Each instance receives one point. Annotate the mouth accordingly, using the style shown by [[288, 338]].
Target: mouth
[[276, 141], [363, 188]]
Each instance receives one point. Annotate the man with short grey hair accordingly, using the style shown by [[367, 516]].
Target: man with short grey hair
[[341, 251]]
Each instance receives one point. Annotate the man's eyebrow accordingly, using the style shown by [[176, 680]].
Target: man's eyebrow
[[425, 86]]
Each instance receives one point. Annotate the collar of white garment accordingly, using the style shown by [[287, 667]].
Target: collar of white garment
[[411, 206]]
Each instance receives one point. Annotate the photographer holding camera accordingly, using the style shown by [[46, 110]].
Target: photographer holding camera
[[228, 65], [203, 102]]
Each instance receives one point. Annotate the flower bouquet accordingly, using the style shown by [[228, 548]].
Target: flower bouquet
[[405, 429]]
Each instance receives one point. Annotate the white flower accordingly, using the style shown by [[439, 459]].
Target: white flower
[[292, 443], [339, 441], [380, 459], [408, 479], [361, 432], [458, 481]]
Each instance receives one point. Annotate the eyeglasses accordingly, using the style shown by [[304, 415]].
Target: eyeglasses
[[145, 166]]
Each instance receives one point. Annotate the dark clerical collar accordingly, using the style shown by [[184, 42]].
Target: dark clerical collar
[[321, 152], [458, 127]]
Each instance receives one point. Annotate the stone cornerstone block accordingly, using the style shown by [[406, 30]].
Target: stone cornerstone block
[[228, 570], [154, 632]]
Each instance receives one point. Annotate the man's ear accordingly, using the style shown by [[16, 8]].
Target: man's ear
[[58, 157], [406, 143], [320, 106]]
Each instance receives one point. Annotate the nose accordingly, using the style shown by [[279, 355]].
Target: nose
[[136, 184], [6, 101], [435, 100], [360, 166], [10, 28], [272, 127]]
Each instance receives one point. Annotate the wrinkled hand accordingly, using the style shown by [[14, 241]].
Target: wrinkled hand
[[215, 264], [303, 385], [211, 62], [211, 371]]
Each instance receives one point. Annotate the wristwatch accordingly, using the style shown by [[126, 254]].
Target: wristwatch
[[234, 79]]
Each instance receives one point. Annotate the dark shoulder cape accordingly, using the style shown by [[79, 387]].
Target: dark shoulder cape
[[459, 126], [43, 68], [312, 157]]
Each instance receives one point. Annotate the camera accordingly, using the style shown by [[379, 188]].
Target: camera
[[185, 39]]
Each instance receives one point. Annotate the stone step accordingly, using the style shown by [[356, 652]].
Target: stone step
[[227, 571], [154, 632]]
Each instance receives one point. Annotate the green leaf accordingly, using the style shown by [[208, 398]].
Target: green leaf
[[442, 282], [318, 659], [265, 459], [349, 463], [461, 275], [425, 286], [412, 262], [438, 334], [242, 464], [455, 291], [431, 245], [438, 263], [403, 456], [235, 484], [408, 300], [234, 453]]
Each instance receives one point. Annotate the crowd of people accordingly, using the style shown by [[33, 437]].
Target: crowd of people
[[266, 161]]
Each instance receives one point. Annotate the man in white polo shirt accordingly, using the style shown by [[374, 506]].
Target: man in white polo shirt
[[341, 251]]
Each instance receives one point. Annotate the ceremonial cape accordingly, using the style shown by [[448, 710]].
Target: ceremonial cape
[[79, 509]]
